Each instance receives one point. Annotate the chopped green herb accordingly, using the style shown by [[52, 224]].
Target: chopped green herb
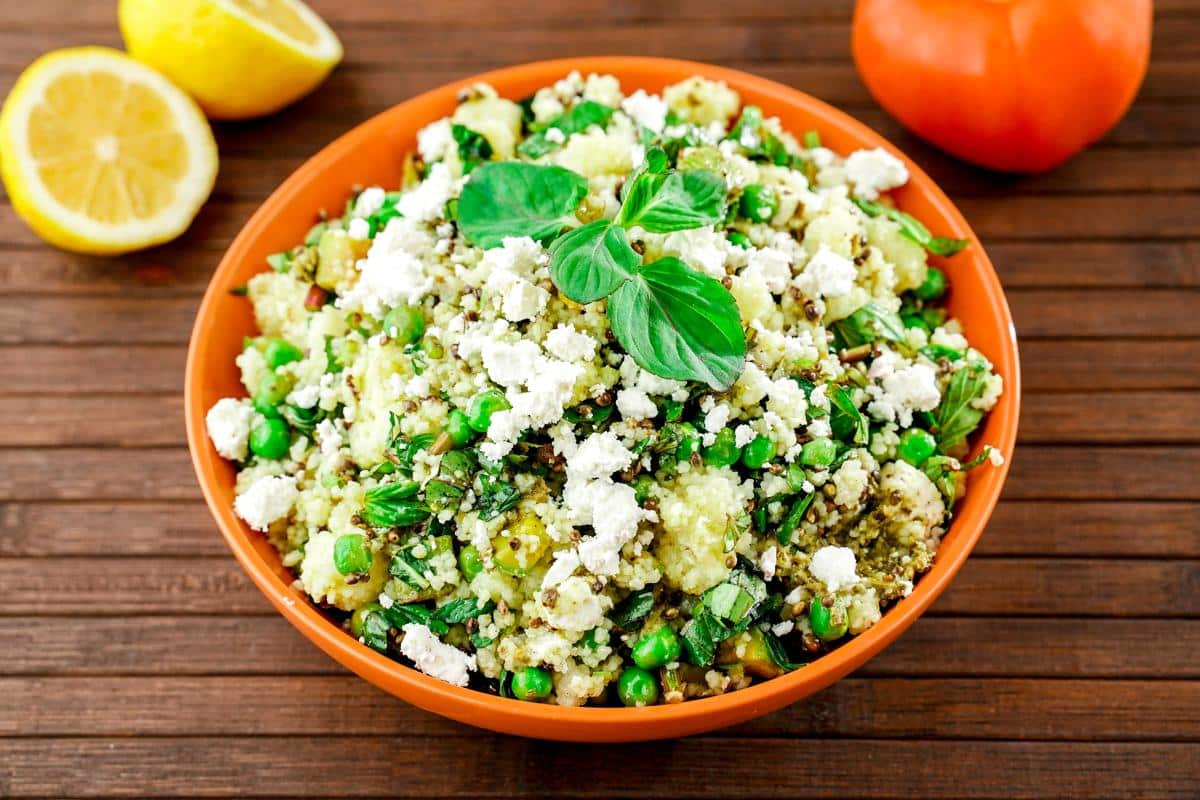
[[913, 229], [632, 610], [584, 115], [473, 148], [496, 497], [956, 417], [845, 419]]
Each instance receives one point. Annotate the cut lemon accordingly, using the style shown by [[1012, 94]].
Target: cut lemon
[[101, 154], [238, 58]]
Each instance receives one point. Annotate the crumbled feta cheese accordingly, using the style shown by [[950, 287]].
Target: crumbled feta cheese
[[875, 171], [390, 275], [329, 436], [772, 267], [716, 419], [435, 142], [523, 300], [647, 110], [368, 202], [599, 456], [827, 274], [634, 377], [228, 423], [564, 565], [786, 398], [834, 566], [305, 396], [900, 392], [613, 512], [995, 457], [358, 229], [546, 106], [636, 404], [434, 657], [783, 628], [767, 562], [427, 200], [555, 135], [568, 344], [743, 435], [511, 364], [701, 248], [268, 499]]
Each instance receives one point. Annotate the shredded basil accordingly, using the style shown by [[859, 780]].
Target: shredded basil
[[582, 116], [375, 627], [496, 497], [794, 517], [912, 228], [473, 148], [632, 610], [956, 418], [845, 419], [868, 324], [459, 611]]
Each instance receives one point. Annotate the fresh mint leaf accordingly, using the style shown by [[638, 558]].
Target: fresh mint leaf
[[413, 613], [473, 148], [867, 324], [956, 418], [496, 497], [375, 630], [589, 263], [584, 115], [459, 611], [678, 323], [392, 506], [508, 198], [912, 228], [845, 419], [409, 569], [632, 610], [701, 635], [673, 201], [794, 517]]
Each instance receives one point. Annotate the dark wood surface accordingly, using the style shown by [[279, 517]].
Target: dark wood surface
[[137, 659]]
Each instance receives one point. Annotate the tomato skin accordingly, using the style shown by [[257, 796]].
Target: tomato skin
[[1014, 85]]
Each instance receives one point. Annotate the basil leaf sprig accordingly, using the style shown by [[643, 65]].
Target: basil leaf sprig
[[510, 198], [582, 116], [956, 417], [473, 147], [868, 324], [912, 228], [675, 322]]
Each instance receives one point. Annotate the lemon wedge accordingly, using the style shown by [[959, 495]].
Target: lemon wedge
[[101, 154], [238, 58]]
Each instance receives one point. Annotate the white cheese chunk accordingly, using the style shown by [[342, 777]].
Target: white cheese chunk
[[228, 424], [434, 657]]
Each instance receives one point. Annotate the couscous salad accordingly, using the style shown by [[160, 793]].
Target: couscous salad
[[618, 399]]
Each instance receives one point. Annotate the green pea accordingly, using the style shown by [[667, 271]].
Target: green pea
[[724, 451], [272, 390], [916, 446], [819, 452], [934, 285], [758, 203], [279, 352], [689, 442], [637, 687], [829, 623], [358, 620], [738, 239], [458, 427], [351, 554], [657, 649], [479, 415], [270, 438], [642, 485], [470, 563], [405, 324], [531, 683], [758, 452]]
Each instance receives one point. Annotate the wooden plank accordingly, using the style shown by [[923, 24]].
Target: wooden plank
[[1101, 313], [1129, 418], [123, 528], [1133, 265], [92, 420], [1013, 586], [1104, 473], [1017, 528], [1118, 364], [58, 370], [1039, 473], [1095, 529], [348, 706], [935, 646], [311, 766]]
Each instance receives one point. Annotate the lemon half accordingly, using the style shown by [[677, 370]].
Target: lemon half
[[101, 154], [238, 58]]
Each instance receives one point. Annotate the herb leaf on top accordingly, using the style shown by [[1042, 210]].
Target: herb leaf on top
[[510, 198]]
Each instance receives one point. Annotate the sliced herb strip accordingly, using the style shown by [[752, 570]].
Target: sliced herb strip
[[912, 228], [701, 635], [678, 323], [787, 528], [496, 497], [393, 506], [578, 119], [509, 198], [777, 653], [868, 324], [409, 569], [632, 610], [845, 419], [590, 262], [459, 611], [375, 626], [415, 614], [956, 417], [473, 147], [935, 352]]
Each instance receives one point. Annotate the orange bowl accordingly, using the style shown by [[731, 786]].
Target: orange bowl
[[371, 154]]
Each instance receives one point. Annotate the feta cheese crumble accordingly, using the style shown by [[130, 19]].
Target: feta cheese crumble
[[434, 657], [228, 424], [268, 499]]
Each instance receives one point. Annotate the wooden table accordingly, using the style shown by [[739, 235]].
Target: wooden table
[[137, 659]]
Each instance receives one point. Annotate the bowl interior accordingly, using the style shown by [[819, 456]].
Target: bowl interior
[[372, 154]]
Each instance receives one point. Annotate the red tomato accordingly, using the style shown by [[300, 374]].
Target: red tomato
[[1015, 85]]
